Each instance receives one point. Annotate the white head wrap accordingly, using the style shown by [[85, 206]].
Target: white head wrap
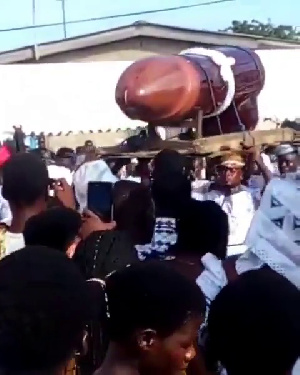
[[274, 235], [96, 170]]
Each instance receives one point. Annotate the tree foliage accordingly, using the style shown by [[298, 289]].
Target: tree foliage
[[268, 30]]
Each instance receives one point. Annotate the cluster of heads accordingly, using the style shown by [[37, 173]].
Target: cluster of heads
[[45, 304], [152, 312], [25, 176]]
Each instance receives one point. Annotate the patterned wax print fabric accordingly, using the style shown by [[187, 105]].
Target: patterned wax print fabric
[[164, 236], [274, 235]]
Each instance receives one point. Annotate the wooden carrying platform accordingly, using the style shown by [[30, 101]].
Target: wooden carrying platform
[[215, 144]]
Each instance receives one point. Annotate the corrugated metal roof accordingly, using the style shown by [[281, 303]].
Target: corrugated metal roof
[[142, 29]]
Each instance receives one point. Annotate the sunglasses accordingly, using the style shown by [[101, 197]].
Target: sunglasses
[[225, 168]]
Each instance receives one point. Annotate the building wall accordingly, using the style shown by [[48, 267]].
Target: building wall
[[108, 139], [62, 98], [127, 50]]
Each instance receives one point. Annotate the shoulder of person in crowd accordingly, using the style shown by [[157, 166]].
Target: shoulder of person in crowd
[[104, 252]]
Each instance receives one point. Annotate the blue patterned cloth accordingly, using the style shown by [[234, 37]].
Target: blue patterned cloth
[[163, 237]]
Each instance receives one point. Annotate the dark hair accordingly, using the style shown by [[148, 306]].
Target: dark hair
[[168, 161], [43, 153], [171, 192], [133, 210], [116, 164], [79, 150], [65, 152], [89, 143], [254, 324], [203, 228], [25, 179], [56, 228], [44, 305], [150, 295]]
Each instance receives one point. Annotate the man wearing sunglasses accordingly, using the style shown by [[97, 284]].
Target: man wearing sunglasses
[[288, 159], [234, 198]]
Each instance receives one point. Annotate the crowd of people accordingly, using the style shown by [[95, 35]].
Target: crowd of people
[[196, 273]]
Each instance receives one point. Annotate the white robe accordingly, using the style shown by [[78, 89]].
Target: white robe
[[240, 208]]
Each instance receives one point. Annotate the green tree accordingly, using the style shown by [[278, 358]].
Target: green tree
[[268, 30]]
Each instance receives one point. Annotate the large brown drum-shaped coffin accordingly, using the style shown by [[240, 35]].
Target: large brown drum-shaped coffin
[[165, 89]]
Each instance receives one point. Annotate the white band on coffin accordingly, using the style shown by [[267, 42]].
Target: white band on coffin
[[225, 63]]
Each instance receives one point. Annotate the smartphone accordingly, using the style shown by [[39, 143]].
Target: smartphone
[[52, 182], [100, 199]]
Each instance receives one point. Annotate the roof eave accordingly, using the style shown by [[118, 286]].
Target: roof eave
[[140, 30]]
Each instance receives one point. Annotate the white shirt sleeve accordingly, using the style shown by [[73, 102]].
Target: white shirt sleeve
[[241, 217], [213, 278], [5, 212], [267, 162], [199, 189]]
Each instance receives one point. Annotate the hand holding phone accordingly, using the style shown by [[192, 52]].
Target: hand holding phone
[[64, 192], [100, 200], [92, 223]]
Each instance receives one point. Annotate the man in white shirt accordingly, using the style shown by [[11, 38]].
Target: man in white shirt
[[5, 212], [234, 198], [288, 159]]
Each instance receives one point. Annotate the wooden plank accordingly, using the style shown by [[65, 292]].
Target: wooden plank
[[140, 154], [211, 145], [233, 140]]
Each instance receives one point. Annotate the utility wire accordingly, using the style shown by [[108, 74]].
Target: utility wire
[[118, 16]]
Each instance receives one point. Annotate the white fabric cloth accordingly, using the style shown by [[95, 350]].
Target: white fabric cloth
[[273, 240], [213, 278], [131, 178], [225, 63], [57, 172], [164, 236], [257, 183], [267, 162], [296, 369], [240, 208], [96, 170], [199, 188], [13, 242], [80, 159], [5, 212], [274, 237]]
